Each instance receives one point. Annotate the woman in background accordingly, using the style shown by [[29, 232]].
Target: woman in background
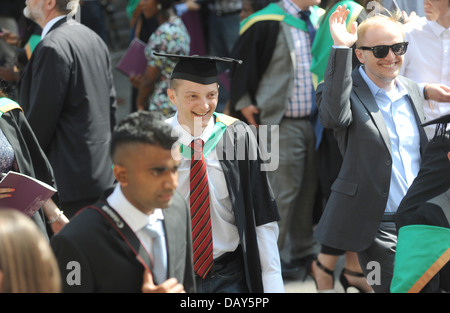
[[170, 37]]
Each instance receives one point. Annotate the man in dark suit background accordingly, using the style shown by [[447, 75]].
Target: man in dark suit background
[[68, 96], [110, 239], [375, 115]]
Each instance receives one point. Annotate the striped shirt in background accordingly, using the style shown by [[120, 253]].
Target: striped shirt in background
[[301, 101]]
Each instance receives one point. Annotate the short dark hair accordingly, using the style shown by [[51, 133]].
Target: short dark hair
[[166, 4], [143, 127]]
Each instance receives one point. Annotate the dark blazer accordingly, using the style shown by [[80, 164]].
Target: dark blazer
[[359, 194], [30, 158], [68, 97], [107, 263]]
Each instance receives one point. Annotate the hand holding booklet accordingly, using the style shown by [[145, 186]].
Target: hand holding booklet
[[29, 195], [133, 62]]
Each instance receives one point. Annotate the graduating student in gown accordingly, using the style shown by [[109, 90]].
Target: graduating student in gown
[[238, 219], [423, 220]]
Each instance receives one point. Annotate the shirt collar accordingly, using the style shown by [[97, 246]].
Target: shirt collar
[[50, 24], [184, 137], [437, 28], [399, 91], [135, 218]]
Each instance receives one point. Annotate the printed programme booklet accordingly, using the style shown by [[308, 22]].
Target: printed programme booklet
[[133, 62], [29, 195]]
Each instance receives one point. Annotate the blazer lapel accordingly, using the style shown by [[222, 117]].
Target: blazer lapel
[[288, 36], [417, 105], [170, 223], [368, 101]]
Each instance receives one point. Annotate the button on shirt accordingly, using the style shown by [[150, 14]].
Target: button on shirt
[[137, 220], [404, 137], [225, 233], [427, 60]]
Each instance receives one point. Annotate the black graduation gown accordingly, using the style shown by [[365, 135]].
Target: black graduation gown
[[246, 77], [30, 158], [432, 180], [250, 194]]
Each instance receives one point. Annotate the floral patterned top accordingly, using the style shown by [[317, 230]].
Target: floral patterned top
[[171, 37], [7, 156]]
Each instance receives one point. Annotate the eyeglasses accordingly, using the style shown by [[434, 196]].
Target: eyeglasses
[[382, 51]]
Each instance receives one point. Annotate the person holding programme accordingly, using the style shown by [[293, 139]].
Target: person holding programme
[[20, 152]]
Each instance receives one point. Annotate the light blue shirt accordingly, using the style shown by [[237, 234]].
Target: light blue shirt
[[398, 115], [138, 221]]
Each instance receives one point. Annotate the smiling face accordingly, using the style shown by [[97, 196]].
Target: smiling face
[[382, 71], [195, 104]]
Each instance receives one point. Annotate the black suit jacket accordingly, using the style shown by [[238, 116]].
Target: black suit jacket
[[68, 97], [107, 264]]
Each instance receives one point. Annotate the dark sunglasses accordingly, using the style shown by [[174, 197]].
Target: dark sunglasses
[[382, 51]]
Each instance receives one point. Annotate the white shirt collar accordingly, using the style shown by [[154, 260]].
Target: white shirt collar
[[437, 28], [135, 218], [184, 137], [397, 93], [50, 24]]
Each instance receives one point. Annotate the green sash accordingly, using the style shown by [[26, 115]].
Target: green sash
[[31, 44], [222, 122], [8, 105], [274, 12], [323, 42], [422, 250]]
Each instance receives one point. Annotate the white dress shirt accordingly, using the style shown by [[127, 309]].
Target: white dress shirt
[[427, 60], [224, 229], [137, 220]]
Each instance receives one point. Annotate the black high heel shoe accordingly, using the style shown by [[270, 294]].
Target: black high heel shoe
[[323, 268], [345, 282]]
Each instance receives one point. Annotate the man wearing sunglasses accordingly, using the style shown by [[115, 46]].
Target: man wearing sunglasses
[[375, 115]]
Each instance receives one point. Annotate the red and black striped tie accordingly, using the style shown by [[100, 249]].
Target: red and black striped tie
[[200, 212]]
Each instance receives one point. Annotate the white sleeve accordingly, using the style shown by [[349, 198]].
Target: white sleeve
[[269, 255]]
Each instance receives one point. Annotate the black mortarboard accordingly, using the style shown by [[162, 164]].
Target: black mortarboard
[[199, 69]]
